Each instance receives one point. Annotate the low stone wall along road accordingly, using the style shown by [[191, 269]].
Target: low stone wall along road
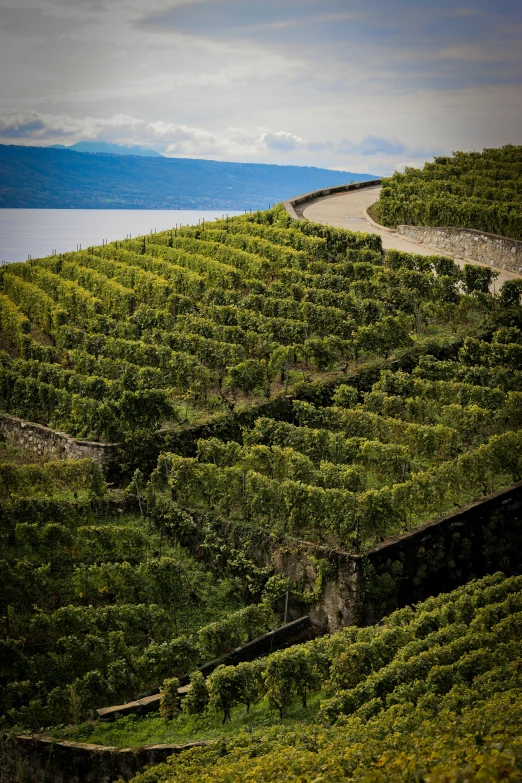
[[347, 210]]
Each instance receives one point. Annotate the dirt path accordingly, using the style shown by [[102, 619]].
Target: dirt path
[[345, 210]]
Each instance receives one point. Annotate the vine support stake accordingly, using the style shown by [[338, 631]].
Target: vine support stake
[[138, 494], [286, 607]]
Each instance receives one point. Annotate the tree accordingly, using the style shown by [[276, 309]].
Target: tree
[[287, 673], [250, 682]]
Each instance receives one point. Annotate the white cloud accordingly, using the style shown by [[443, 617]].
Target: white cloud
[[497, 52], [282, 141], [173, 139], [332, 84], [360, 135], [407, 165], [33, 126], [183, 140], [232, 142]]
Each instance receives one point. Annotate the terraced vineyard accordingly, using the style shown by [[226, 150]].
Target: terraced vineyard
[[99, 605], [433, 693], [480, 190], [374, 463], [182, 325], [140, 332], [336, 395], [124, 336]]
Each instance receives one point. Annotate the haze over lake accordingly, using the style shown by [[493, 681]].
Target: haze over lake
[[39, 232]]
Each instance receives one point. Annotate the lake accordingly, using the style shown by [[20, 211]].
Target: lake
[[40, 232]]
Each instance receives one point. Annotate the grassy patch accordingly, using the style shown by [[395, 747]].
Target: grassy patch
[[133, 731], [373, 212]]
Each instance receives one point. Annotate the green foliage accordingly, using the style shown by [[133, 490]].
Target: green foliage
[[24, 480], [433, 691], [468, 190], [223, 690], [13, 322], [245, 376], [346, 396], [196, 699], [478, 279], [170, 703], [287, 673], [223, 636], [511, 293], [120, 338], [79, 411], [93, 613]]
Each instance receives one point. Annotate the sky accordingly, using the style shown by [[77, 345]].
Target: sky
[[343, 84]]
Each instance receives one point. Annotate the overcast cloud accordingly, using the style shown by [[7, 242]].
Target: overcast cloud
[[343, 84]]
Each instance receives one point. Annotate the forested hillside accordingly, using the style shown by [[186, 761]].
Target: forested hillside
[[45, 178], [481, 190]]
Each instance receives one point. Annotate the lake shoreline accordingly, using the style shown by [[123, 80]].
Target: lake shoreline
[[37, 233]]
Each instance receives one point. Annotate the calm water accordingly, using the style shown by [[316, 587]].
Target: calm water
[[39, 232]]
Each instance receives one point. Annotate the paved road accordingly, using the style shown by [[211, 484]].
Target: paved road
[[345, 210]]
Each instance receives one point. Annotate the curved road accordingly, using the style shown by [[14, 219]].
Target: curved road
[[345, 210]]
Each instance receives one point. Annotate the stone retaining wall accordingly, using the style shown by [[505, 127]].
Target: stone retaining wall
[[488, 249], [480, 539], [47, 443], [38, 758]]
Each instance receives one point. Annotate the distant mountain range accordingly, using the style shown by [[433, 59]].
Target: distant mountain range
[[108, 148], [47, 177]]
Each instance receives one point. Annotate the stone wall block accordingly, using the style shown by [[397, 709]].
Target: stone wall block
[[41, 759], [47, 443], [488, 249]]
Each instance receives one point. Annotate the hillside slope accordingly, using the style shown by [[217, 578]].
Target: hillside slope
[[38, 177], [433, 695]]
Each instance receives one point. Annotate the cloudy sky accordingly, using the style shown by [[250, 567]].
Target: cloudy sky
[[345, 84]]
